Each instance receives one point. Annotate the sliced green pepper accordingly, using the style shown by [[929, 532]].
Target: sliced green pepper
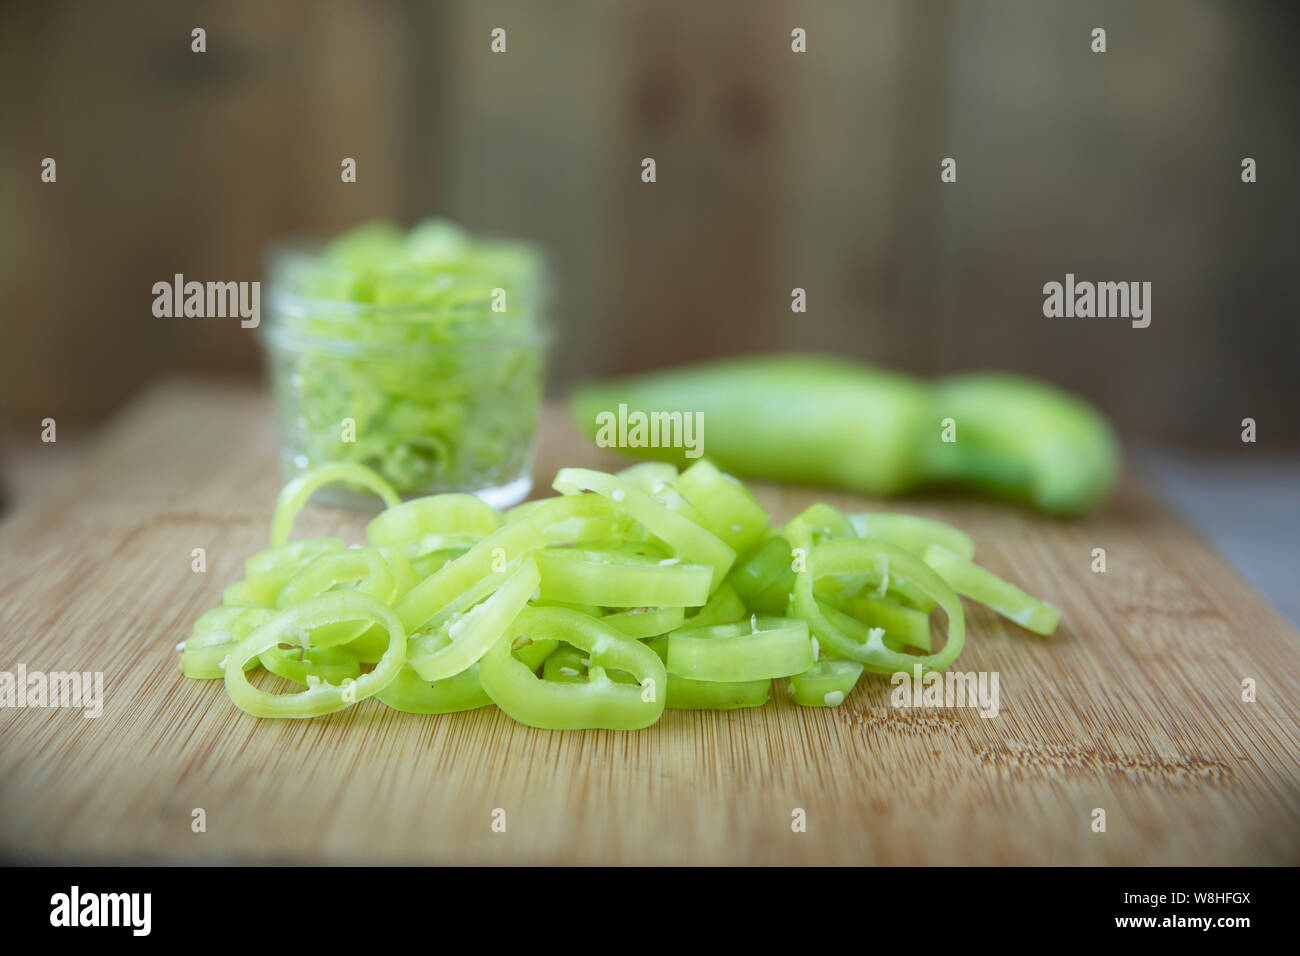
[[533, 653], [458, 576], [329, 664], [411, 694], [687, 694], [586, 519], [725, 505], [567, 665], [861, 556], [267, 572], [216, 633], [691, 542], [469, 636], [826, 683], [912, 533], [642, 622], [756, 649], [982, 585], [363, 569], [724, 607], [293, 626], [908, 625], [434, 515], [597, 703], [613, 580], [650, 476], [295, 494], [763, 580]]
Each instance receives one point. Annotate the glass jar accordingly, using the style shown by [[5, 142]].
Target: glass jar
[[435, 383]]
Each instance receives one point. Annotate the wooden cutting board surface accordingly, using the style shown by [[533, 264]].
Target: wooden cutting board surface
[[1134, 706]]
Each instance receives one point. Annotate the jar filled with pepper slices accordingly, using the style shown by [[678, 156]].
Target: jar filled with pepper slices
[[416, 354]]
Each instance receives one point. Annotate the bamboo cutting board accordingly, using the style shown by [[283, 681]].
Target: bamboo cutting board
[[1133, 707]]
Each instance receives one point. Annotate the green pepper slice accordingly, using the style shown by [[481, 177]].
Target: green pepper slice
[[642, 622], [687, 694], [295, 494], [599, 702], [724, 505], [607, 579], [412, 694], [723, 608], [912, 533], [982, 585], [687, 539], [450, 582], [759, 648], [436, 516], [298, 625], [862, 556], [826, 683], [467, 638]]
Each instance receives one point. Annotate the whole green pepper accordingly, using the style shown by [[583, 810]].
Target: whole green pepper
[[818, 420]]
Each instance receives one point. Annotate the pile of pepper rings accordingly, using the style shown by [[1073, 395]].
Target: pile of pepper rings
[[598, 608]]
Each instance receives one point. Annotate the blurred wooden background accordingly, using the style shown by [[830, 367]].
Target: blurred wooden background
[[775, 170]]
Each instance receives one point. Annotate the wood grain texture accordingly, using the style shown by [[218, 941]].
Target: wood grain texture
[[1134, 706]]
